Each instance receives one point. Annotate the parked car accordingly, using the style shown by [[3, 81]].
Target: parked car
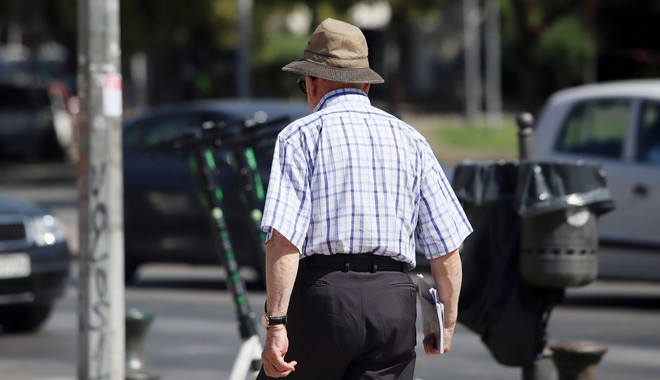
[[617, 125], [34, 265], [165, 221], [34, 120]]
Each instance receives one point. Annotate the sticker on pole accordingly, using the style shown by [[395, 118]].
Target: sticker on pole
[[112, 102]]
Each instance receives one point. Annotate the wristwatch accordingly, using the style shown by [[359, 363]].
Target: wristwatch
[[270, 320]]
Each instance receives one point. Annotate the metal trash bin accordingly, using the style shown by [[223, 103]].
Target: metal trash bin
[[535, 233], [559, 203], [531, 220]]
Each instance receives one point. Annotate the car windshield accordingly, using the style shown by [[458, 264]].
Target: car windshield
[[158, 129]]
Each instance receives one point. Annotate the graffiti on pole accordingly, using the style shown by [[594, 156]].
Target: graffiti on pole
[[98, 265]]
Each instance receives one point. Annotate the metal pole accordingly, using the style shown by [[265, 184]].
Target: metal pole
[[525, 122], [139, 78], [472, 41], [101, 295], [493, 65], [244, 38], [541, 367]]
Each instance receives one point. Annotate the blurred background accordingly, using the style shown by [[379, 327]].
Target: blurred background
[[174, 51], [459, 71]]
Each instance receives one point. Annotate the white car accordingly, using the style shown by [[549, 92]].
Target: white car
[[617, 125]]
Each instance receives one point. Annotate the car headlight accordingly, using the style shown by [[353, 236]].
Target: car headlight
[[47, 230]]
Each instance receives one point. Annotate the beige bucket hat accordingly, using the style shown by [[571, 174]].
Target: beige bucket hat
[[336, 51]]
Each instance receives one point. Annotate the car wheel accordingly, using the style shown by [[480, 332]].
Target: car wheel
[[24, 318]]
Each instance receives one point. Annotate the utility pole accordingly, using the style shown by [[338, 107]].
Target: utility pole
[[493, 65], [101, 321], [243, 65], [472, 42]]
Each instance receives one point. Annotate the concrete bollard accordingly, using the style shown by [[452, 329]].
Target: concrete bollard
[[137, 324], [577, 359]]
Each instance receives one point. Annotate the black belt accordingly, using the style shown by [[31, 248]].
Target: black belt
[[364, 262]]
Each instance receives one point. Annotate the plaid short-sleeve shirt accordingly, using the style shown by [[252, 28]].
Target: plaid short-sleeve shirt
[[350, 178]]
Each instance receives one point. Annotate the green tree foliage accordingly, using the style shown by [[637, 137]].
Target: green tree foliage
[[548, 44], [159, 26], [185, 41], [566, 51], [542, 39]]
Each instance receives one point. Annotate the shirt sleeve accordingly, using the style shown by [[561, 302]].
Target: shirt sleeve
[[442, 224], [288, 202]]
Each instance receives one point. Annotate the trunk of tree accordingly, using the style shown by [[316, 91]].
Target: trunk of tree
[[401, 31]]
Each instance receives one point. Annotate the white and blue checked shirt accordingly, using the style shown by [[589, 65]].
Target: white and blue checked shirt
[[350, 178]]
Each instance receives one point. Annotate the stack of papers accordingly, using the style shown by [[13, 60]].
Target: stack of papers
[[433, 316]]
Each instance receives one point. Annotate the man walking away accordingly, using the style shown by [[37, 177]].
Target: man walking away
[[352, 191]]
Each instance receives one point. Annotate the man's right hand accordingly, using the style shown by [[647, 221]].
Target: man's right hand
[[276, 347]]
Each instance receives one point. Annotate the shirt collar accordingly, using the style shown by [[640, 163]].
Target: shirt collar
[[342, 95]]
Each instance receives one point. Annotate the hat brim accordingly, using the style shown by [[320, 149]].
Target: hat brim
[[345, 75]]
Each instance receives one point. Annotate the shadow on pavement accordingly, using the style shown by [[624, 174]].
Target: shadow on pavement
[[191, 283], [623, 301]]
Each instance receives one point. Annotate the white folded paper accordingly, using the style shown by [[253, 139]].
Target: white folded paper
[[433, 314]]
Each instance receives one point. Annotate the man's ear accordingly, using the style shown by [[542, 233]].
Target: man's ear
[[366, 87], [313, 86]]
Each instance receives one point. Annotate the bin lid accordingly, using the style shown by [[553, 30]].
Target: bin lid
[[479, 183], [535, 187], [545, 187]]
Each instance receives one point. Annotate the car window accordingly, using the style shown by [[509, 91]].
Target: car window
[[149, 131], [595, 128], [648, 133], [170, 127]]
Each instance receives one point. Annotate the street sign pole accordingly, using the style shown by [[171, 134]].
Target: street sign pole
[[493, 42], [472, 42], [243, 75], [101, 321]]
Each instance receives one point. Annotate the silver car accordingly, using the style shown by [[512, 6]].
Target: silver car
[[617, 125]]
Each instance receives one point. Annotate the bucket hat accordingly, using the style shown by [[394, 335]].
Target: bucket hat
[[336, 51]]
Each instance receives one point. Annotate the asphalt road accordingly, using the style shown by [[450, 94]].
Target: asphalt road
[[195, 333]]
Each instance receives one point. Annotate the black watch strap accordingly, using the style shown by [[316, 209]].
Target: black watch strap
[[270, 320], [274, 320]]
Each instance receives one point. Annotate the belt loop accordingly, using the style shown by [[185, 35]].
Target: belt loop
[[347, 264], [374, 266]]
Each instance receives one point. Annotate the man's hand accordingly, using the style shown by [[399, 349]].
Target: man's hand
[[448, 275], [272, 357], [431, 343]]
